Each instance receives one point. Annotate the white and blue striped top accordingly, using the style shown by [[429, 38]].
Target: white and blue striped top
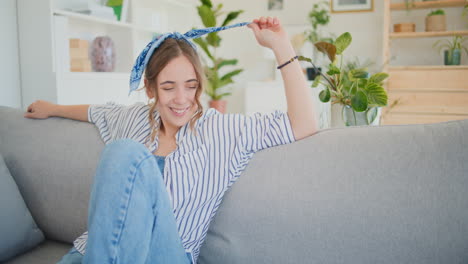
[[203, 166]]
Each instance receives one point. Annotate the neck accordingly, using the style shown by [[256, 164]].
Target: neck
[[168, 132]]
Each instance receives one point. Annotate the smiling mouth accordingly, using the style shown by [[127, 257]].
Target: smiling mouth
[[179, 111]]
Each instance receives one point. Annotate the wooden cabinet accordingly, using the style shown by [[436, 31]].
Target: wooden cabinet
[[423, 93]]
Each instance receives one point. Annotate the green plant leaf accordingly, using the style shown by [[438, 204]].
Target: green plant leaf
[[217, 11], [324, 95], [342, 42], [207, 16], [357, 74], [327, 48], [359, 101], [302, 58], [378, 77], [222, 63], [371, 114], [213, 39], [231, 16], [114, 3], [224, 82], [202, 43], [229, 75], [376, 94], [316, 81], [332, 70], [207, 3]]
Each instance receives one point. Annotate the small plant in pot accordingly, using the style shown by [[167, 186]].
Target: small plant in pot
[[435, 21], [359, 93], [319, 16], [452, 49], [209, 44]]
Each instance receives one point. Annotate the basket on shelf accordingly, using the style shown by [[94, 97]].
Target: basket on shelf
[[404, 27]]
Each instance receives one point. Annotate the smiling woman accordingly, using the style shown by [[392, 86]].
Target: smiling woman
[[167, 164]]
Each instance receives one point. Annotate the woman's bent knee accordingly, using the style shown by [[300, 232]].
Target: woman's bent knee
[[119, 157]]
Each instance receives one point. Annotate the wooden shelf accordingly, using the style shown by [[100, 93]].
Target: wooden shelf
[[429, 4], [428, 34], [94, 19], [428, 67]]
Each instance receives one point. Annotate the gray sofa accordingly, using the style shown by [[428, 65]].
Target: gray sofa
[[387, 194]]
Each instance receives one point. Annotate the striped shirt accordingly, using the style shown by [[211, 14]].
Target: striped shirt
[[203, 166]]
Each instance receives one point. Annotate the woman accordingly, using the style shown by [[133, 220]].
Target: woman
[[167, 165]]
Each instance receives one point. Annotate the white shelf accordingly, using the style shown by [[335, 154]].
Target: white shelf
[[94, 19], [428, 34]]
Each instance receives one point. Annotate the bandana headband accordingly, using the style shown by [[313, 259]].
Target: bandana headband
[[145, 55]]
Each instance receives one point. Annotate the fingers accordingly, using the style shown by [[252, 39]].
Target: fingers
[[266, 22]]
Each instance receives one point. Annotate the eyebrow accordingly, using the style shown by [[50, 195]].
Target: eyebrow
[[172, 82]]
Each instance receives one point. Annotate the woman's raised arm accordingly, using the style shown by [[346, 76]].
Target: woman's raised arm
[[269, 33], [41, 109]]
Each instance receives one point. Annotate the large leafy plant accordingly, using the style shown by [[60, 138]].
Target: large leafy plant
[[209, 15], [352, 87]]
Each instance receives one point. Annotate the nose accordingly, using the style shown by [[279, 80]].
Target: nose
[[180, 96]]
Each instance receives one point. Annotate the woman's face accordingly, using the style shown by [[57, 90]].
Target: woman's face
[[177, 84]]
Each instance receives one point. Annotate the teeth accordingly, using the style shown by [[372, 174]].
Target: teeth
[[179, 111]]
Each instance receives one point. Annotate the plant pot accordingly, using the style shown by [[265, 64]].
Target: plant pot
[[404, 27], [368, 117], [452, 57], [436, 23], [312, 73], [219, 105]]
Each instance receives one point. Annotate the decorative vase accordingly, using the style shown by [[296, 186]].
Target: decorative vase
[[452, 57], [436, 23], [352, 118], [103, 54], [219, 105]]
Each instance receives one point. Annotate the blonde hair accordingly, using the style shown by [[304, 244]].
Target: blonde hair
[[167, 51]]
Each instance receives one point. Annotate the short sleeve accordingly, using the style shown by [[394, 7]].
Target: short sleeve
[[116, 121]]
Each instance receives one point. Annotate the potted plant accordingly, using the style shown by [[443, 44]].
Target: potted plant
[[360, 93], [452, 49], [319, 16], [209, 44], [435, 21]]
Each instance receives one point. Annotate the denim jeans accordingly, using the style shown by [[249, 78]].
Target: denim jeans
[[130, 219]]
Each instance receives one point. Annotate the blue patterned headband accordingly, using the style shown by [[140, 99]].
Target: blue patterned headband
[[145, 55]]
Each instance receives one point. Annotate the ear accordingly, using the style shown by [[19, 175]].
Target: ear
[[149, 91]]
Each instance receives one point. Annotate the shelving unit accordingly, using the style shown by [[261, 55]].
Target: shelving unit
[[428, 34], [423, 93], [45, 27]]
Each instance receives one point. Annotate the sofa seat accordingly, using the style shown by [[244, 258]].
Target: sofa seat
[[48, 252]]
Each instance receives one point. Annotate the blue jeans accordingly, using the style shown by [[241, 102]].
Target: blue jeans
[[131, 219]]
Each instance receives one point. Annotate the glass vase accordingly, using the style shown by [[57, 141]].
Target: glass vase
[[353, 118]]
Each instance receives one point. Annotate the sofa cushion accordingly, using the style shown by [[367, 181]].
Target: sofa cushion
[[48, 252], [386, 194], [18, 230]]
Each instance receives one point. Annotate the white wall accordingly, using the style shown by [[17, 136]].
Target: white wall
[[10, 90]]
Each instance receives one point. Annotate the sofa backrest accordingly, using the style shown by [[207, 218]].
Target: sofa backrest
[[53, 162], [387, 194]]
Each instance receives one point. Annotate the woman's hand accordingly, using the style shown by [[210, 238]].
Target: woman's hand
[[268, 32], [40, 109]]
